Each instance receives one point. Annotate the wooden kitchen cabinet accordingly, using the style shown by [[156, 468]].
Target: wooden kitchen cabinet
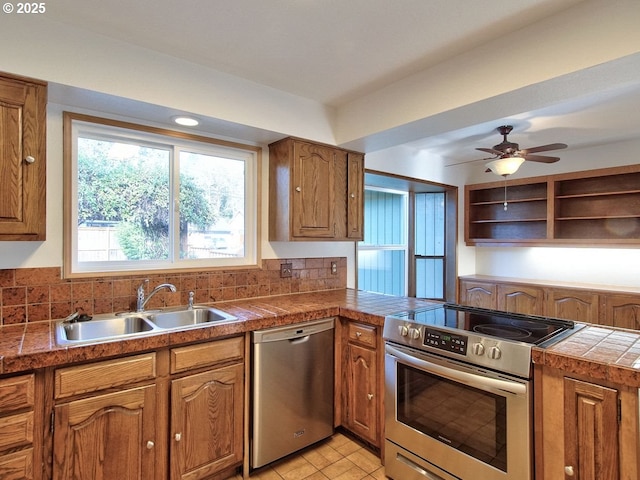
[[174, 413], [621, 311], [108, 434], [585, 429], [593, 207], [207, 410], [577, 305], [315, 192], [524, 299], [22, 158], [20, 427], [478, 294], [361, 396]]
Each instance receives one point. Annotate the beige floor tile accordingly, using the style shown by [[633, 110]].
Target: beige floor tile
[[354, 473], [317, 476], [329, 452], [338, 468], [288, 464], [364, 459], [378, 474], [300, 473], [318, 460], [268, 474]]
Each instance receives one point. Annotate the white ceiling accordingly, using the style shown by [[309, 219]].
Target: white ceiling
[[336, 51]]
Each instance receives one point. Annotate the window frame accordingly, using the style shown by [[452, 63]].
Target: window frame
[[173, 140]]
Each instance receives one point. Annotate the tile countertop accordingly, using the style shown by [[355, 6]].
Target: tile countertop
[[599, 352], [32, 345]]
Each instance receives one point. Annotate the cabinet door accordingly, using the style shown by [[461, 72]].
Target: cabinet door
[[591, 431], [521, 299], [355, 196], [573, 305], [206, 422], [314, 190], [106, 437], [622, 311], [22, 139], [362, 400], [478, 294]]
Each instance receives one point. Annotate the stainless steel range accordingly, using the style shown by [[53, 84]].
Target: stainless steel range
[[458, 392]]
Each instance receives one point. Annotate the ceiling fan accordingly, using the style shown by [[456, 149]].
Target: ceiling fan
[[508, 156]]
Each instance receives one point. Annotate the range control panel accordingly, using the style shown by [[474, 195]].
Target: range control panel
[[445, 341]]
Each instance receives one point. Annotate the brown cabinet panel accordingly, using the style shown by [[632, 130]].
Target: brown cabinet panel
[[205, 354], [22, 159], [524, 299], [581, 306], [17, 393], [363, 403], [622, 311], [478, 294], [106, 436], [17, 466], [591, 436], [206, 422], [315, 192]]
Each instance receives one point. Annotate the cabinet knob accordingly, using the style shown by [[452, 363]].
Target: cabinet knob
[[298, 189], [353, 195], [30, 159], [150, 445], [178, 437], [568, 470], [370, 396], [358, 334]]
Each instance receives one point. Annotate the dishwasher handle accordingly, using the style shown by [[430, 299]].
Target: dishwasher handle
[[292, 332], [296, 341]]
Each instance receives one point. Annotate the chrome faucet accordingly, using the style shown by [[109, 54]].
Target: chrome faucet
[[142, 301]]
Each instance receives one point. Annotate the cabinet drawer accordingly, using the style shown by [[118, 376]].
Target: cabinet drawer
[[16, 393], [362, 334], [102, 375], [17, 466], [204, 354], [16, 431]]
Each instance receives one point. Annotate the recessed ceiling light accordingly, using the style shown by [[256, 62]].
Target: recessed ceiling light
[[186, 121]]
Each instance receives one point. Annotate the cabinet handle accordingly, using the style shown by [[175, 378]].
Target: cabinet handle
[[298, 189], [370, 396], [150, 445], [30, 159], [358, 334], [568, 470], [178, 437]]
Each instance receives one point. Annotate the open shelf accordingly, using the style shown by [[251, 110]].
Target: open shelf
[[591, 207]]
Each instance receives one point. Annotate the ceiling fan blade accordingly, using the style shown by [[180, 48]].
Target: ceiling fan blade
[[540, 158], [491, 151], [544, 148]]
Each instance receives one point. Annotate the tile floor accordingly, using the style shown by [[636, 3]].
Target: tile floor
[[337, 458]]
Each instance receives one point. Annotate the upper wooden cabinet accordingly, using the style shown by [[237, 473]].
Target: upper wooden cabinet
[[580, 208], [23, 104], [315, 192]]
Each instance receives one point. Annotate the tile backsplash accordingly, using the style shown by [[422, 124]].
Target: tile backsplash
[[35, 294]]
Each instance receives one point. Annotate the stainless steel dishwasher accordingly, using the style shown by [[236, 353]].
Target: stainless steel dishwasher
[[292, 389]]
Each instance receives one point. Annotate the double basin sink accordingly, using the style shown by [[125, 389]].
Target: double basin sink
[[108, 327]]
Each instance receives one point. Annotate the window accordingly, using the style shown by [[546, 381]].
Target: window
[[409, 240], [142, 199]]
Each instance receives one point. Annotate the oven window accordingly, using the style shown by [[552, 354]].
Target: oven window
[[471, 420]]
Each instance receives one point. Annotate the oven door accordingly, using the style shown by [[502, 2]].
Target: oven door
[[464, 422]]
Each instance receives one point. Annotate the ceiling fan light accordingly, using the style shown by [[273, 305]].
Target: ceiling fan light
[[505, 166]]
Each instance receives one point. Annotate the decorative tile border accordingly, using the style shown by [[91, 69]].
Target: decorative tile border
[[35, 294]]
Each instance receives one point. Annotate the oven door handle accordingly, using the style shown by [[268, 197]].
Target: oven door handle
[[458, 375]]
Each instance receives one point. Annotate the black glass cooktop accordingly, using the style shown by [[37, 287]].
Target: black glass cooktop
[[492, 323]]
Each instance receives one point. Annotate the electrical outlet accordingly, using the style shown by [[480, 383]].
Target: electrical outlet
[[286, 270], [334, 268]]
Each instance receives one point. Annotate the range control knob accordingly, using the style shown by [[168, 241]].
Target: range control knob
[[403, 330], [495, 353], [478, 349], [414, 333]]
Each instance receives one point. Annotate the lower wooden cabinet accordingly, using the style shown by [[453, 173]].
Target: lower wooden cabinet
[[584, 429], [478, 294], [580, 306], [106, 436], [520, 299], [206, 422], [175, 413], [361, 398], [622, 311], [20, 427]]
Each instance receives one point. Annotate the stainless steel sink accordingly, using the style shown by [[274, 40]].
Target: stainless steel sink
[[189, 317], [100, 328], [117, 326]]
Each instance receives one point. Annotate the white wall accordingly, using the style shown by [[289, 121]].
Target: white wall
[[602, 265]]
